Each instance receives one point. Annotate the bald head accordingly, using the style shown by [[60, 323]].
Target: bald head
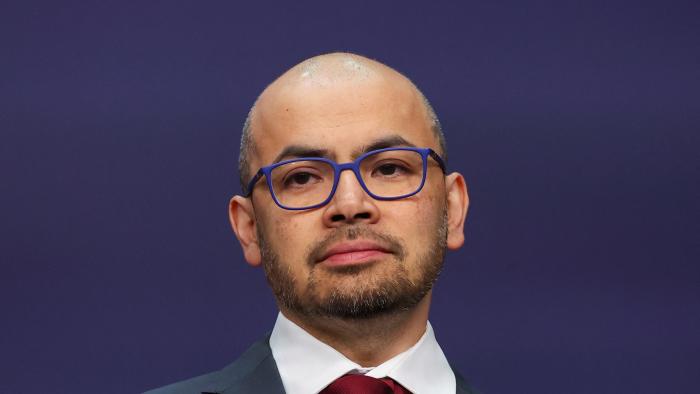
[[321, 80], [328, 70]]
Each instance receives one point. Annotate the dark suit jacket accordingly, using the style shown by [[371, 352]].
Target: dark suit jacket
[[254, 372]]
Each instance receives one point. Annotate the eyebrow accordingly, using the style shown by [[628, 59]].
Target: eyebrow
[[389, 141], [297, 151]]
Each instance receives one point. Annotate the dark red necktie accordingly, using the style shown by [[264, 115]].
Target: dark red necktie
[[361, 384]]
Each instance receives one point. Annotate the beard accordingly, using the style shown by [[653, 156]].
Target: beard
[[367, 295]]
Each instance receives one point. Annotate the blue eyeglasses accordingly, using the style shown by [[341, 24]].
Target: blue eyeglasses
[[310, 182]]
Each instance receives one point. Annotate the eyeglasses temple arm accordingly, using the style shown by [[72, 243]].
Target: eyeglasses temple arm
[[249, 190], [439, 160]]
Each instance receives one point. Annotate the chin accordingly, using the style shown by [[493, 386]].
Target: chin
[[355, 296]]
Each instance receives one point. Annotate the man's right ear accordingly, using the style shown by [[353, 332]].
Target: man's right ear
[[242, 216]]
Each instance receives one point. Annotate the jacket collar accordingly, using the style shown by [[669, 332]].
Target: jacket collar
[[254, 372]]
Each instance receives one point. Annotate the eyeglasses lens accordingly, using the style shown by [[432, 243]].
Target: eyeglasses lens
[[392, 173], [302, 183]]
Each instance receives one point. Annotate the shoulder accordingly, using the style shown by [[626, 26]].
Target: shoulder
[[189, 386], [462, 386], [253, 365]]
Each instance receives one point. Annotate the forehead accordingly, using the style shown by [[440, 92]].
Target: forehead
[[339, 115]]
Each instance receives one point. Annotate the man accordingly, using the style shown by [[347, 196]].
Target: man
[[349, 214]]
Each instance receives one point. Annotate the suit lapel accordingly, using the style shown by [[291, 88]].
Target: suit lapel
[[263, 379], [254, 372], [462, 386]]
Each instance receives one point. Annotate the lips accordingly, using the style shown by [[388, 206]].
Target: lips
[[355, 252]]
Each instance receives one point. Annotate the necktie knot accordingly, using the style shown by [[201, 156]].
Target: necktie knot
[[362, 384]]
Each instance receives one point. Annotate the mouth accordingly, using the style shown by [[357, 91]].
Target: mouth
[[353, 253]]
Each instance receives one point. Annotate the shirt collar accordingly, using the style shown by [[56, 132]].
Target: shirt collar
[[307, 365]]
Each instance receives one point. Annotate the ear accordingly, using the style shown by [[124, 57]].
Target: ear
[[241, 213], [457, 206]]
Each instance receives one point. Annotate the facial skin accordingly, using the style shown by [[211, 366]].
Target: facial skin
[[329, 291], [355, 258]]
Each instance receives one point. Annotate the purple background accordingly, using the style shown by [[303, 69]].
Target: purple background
[[575, 123]]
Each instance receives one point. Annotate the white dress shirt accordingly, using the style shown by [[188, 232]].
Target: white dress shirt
[[307, 365]]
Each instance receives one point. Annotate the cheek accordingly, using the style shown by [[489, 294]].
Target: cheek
[[282, 229], [294, 227], [293, 235], [414, 221], [419, 213]]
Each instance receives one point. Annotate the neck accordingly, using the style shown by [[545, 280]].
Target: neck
[[368, 341]]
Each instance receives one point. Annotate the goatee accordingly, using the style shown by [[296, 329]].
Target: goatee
[[369, 297]]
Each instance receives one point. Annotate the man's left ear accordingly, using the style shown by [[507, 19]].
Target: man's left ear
[[457, 206]]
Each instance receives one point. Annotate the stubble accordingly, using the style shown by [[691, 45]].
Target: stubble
[[368, 295]]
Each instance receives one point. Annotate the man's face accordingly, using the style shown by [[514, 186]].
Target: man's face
[[355, 256]]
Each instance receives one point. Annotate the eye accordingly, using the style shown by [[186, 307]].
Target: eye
[[301, 178], [390, 170], [387, 169]]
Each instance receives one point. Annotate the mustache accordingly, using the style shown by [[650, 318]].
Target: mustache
[[386, 241]]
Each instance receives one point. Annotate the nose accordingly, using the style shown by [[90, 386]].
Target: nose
[[350, 203]]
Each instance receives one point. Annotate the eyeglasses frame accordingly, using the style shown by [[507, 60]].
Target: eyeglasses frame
[[339, 168]]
